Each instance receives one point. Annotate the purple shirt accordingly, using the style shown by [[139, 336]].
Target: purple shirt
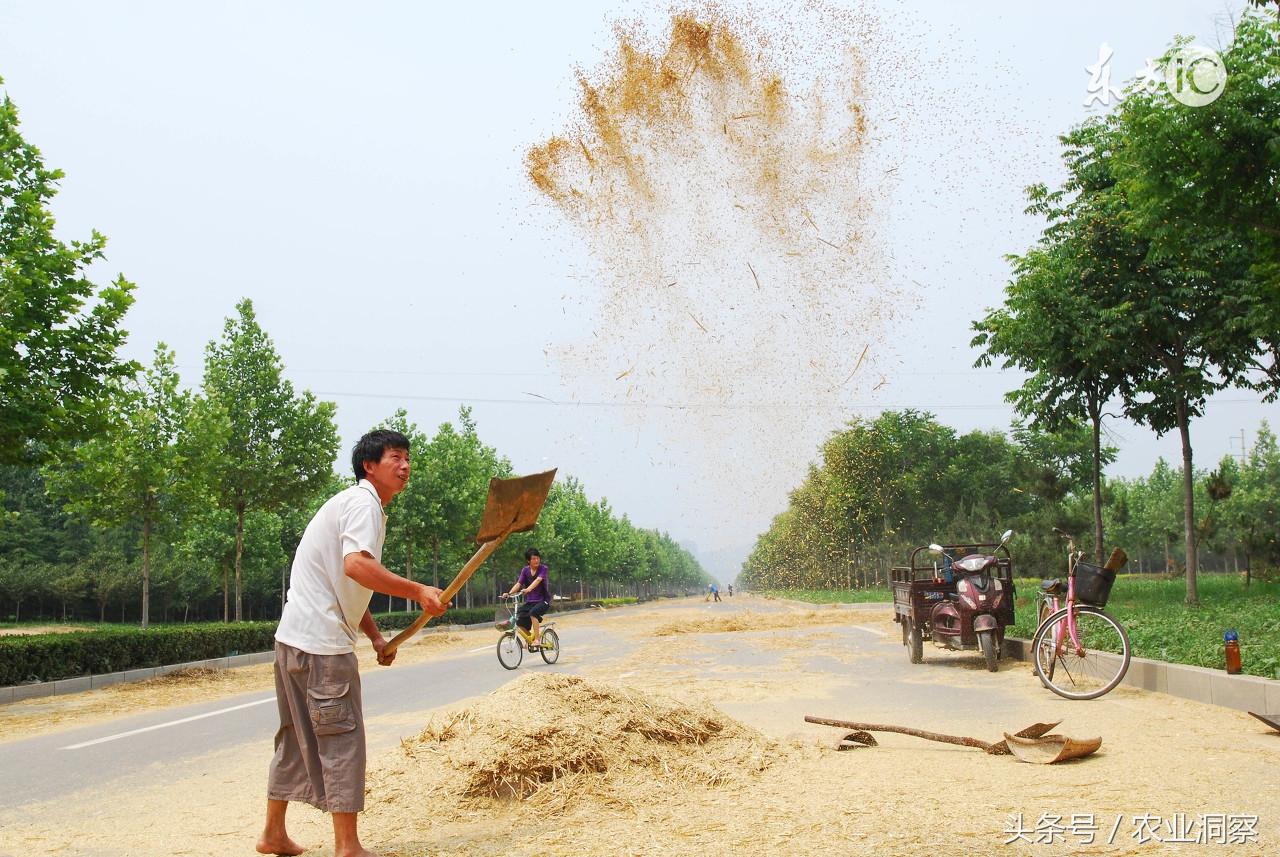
[[541, 593]]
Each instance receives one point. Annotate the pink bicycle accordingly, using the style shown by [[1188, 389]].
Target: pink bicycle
[[1080, 651]]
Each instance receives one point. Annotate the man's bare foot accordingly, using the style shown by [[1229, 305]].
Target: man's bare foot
[[281, 844]]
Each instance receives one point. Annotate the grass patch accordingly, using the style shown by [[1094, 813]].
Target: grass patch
[[831, 596], [1162, 628]]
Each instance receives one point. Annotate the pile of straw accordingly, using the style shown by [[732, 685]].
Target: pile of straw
[[557, 740]]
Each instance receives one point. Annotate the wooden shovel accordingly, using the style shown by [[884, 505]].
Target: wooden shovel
[[513, 506], [999, 748]]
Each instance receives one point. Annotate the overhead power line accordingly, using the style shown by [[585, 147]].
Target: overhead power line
[[538, 399]]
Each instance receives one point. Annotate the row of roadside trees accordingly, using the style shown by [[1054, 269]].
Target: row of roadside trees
[[124, 490], [200, 498], [883, 487]]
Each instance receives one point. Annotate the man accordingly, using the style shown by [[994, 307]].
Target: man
[[320, 745]]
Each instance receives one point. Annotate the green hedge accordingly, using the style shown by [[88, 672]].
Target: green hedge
[[48, 657]]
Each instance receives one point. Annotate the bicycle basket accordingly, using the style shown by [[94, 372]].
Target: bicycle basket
[[501, 618], [1093, 584]]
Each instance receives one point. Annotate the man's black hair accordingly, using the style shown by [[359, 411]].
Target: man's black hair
[[370, 448], [531, 553]]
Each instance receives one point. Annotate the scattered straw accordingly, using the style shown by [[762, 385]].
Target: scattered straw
[[752, 621]]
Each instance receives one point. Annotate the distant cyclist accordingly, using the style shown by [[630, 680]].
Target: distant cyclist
[[532, 584]]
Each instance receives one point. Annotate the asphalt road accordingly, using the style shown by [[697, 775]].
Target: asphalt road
[[172, 741]]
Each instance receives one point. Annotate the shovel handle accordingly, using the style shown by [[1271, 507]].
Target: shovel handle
[[477, 559], [902, 730]]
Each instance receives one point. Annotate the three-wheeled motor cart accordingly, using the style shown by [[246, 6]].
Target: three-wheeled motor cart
[[959, 596]]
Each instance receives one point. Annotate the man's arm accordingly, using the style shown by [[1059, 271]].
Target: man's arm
[[370, 629], [369, 573]]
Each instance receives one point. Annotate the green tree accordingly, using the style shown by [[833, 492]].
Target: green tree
[[1199, 195], [1202, 185], [1253, 508], [277, 447], [21, 580], [1061, 321], [129, 473], [59, 331]]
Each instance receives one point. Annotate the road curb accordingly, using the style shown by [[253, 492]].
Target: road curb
[[1210, 686], [79, 684]]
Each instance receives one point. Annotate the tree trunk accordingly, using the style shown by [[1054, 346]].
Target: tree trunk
[[435, 562], [1095, 416], [408, 571], [146, 570], [1188, 505], [226, 603], [239, 553]]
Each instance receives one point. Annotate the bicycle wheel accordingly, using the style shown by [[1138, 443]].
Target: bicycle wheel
[[510, 652], [549, 646], [1047, 650], [1100, 664]]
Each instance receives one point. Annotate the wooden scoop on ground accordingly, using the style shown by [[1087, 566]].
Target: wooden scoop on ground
[[1049, 749], [513, 506], [1030, 745]]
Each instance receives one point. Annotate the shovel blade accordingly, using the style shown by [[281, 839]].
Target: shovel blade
[[1051, 749], [1035, 730], [1117, 560], [513, 505]]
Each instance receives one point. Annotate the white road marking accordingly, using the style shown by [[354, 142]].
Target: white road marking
[[166, 725], [481, 649], [624, 675], [870, 630]]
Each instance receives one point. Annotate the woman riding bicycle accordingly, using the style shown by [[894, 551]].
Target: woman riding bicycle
[[532, 583]]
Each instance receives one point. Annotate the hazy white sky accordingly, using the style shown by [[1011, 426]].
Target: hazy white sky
[[358, 174]]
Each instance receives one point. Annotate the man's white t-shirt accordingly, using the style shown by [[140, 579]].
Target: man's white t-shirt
[[323, 609]]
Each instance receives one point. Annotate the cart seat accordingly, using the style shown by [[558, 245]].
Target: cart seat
[[1051, 587]]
